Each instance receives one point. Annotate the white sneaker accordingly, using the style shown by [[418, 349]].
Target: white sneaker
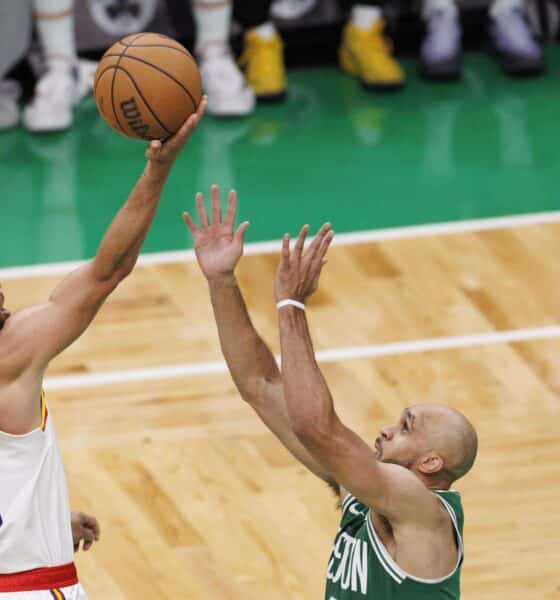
[[291, 9], [56, 94], [9, 109], [227, 90]]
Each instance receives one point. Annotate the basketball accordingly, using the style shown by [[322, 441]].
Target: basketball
[[146, 86]]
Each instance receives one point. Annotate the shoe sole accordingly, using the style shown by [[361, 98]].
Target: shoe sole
[[381, 87], [447, 71], [348, 65], [516, 68], [272, 98]]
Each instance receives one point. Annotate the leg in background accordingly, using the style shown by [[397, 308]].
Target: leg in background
[[441, 54], [15, 29], [365, 51], [228, 93], [519, 52], [263, 51], [59, 88]]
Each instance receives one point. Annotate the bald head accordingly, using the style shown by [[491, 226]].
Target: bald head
[[450, 434]]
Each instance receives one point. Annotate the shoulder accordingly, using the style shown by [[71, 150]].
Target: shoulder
[[17, 339], [408, 501]]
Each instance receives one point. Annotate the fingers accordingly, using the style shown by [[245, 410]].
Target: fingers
[[215, 204], [300, 242], [324, 247], [322, 242], [240, 233], [191, 123], [202, 216], [285, 263], [319, 237], [202, 107], [153, 150], [88, 537], [93, 524], [190, 224], [231, 209], [180, 138]]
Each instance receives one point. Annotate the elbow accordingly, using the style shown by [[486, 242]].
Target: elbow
[[115, 272], [125, 270], [311, 430], [259, 391]]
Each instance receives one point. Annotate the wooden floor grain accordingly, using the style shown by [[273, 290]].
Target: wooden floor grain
[[198, 501]]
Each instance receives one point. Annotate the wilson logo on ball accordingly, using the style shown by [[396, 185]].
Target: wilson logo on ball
[[133, 117]]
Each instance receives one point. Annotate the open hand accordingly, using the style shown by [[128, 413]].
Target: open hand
[[86, 528], [217, 248], [298, 274], [165, 153]]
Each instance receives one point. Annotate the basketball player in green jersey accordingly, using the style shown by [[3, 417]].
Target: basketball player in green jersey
[[400, 536]]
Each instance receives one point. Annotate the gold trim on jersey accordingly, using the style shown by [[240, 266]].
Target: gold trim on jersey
[[44, 411]]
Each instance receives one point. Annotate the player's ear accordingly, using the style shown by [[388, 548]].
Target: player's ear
[[430, 463]]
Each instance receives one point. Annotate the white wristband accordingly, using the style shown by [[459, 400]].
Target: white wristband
[[295, 303]]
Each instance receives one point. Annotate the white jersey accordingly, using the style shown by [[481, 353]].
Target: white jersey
[[35, 529]]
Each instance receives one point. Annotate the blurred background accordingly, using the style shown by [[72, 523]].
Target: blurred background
[[393, 114]]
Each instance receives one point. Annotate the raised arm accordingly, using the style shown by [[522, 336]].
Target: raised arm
[[44, 331], [389, 489], [251, 363]]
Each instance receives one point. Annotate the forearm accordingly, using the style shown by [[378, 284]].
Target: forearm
[[249, 359], [121, 243], [309, 402]]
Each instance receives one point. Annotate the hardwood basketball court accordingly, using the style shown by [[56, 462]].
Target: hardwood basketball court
[[197, 500]]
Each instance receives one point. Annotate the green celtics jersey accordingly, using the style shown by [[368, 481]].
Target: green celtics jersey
[[360, 568]]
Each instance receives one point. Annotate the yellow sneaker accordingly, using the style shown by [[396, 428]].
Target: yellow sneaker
[[366, 54], [263, 62]]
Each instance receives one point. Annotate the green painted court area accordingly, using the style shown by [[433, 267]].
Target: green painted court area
[[486, 146]]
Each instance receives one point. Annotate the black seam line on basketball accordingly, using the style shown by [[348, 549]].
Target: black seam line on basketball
[[101, 75], [185, 52], [144, 99], [160, 70], [119, 55], [165, 73], [116, 68], [113, 82], [140, 35]]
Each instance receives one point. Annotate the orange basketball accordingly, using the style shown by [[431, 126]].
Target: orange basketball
[[146, 86]]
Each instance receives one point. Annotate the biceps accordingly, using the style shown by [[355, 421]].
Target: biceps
[[271, 408], [389, 489], [68, 314]]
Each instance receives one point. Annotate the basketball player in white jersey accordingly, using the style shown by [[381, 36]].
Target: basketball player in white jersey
[[36, 542]]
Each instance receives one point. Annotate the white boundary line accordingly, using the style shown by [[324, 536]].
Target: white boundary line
[[342, 239], [338, 354]]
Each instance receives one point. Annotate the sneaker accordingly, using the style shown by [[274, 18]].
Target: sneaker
[[228, 93], [289, 10], [441, 55], [366, 54], [9, 109], [263, 62], [56, 94], [518, 50]]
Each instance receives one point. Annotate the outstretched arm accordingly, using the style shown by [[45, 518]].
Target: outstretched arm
[[46, 330], [389, 489], [250, 361]]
